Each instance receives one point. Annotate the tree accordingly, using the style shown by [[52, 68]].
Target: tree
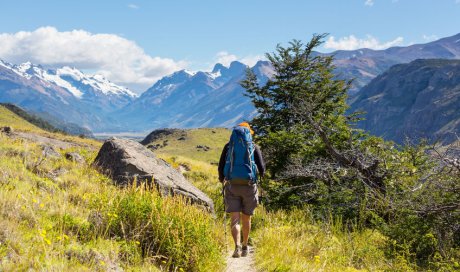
[[316, 157], [302, 123]]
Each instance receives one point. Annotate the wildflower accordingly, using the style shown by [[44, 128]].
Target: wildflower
[[47, 241], [102, 262], [317, 259], [34, 200], [42, 205], [137, 242]]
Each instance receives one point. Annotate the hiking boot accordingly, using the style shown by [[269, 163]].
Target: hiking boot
[[237, 252], [244, 251]]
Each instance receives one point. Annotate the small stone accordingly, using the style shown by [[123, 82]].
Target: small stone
[[75, 157], [50, 152], [6, 130]]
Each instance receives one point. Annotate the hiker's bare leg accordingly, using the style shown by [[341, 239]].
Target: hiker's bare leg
[[235, 225], [246, 222]]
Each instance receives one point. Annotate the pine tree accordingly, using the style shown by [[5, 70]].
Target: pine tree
[[302, 89], [302, 123]]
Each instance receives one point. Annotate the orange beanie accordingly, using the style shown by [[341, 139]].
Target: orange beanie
[[246, 124]]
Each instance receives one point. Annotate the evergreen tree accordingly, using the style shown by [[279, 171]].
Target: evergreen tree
[[302, 120], [314, 156]]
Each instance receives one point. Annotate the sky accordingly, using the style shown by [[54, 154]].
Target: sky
[[136, 42]]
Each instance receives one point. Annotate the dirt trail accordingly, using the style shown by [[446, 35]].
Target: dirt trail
[[242, 264]]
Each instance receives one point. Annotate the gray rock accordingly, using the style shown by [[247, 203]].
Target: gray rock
[[6, 130], [75, 157], [126, 161], [50, 152]]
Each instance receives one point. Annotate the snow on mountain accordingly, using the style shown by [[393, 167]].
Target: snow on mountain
[[65, 93], [97, 82], [29, 70], [71, 79]]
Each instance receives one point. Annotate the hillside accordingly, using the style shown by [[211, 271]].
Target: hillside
[[51, 124], [417, 100], [58, 213], [61, 215], [203, 144]]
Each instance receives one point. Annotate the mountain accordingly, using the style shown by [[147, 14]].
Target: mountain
[[64, 94], [209, 99], [183, 99], [365, 64], [420, 99], [186, 99]]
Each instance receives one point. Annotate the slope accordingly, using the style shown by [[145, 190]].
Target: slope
[[203, 144], [417, 100], [57, 214]]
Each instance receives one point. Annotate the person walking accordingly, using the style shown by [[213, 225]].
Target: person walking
[[240, 164]]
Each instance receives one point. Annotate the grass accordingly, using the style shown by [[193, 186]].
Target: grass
[[8, 118], [291, 240], [214, 138], [305, 245], [58, 215]]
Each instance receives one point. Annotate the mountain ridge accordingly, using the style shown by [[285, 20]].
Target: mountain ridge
[[183, 99], [418, 100]]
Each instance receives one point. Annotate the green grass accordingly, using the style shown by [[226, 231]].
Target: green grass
[[58, 215], [292, 240], [8, 118], [214, 138]]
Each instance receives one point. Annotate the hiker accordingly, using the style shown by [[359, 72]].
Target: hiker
[[240, 163]]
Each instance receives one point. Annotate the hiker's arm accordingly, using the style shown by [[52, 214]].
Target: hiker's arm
[[222, 163], [259, 160]]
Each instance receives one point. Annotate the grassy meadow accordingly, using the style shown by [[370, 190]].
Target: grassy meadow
[[59, 215]]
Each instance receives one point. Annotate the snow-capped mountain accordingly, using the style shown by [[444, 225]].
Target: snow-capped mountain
[[199, 99], [64, 93], [184, 98], [71, 79]]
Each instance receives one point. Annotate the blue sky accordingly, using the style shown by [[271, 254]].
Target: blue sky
[[136, 42]]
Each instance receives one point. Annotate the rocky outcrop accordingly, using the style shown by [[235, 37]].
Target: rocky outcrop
[[126, 161], [161, 133]]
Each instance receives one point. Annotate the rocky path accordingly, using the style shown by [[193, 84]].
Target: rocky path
[[242, 264]]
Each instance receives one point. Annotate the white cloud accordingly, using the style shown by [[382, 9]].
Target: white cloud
[[352, 43], [120, 60], [430, 38], [133, 6], [226, 58], [369, 3]]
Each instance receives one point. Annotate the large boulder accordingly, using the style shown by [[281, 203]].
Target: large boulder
[[126, 161]]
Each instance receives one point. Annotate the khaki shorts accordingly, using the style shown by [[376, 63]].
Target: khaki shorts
[[241, 198]]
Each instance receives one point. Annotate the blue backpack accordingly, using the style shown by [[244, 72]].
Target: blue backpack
[[239, 163]]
